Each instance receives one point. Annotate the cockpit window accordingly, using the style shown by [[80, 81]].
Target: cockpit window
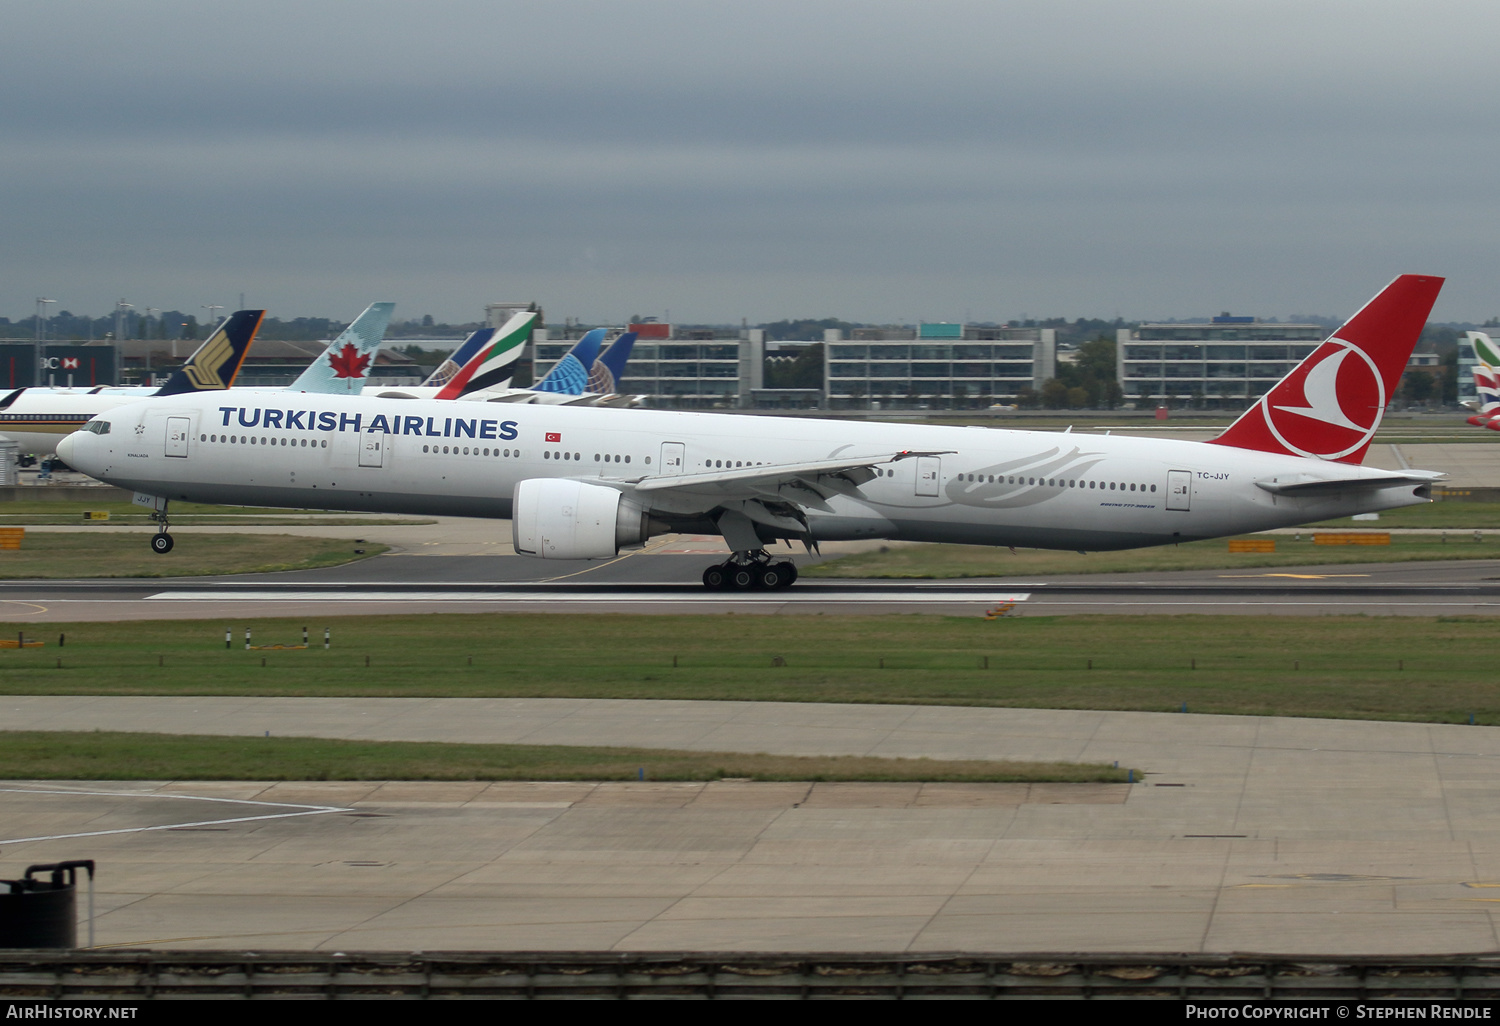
[[98, 427]]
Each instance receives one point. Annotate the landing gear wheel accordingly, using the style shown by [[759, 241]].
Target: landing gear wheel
[[743, 577], [161, 543], [778, 575], [715, 577]]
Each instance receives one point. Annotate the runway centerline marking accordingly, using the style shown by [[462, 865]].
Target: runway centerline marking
[[306, 810]]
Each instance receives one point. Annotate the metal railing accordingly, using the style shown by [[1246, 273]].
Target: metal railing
[[128, 975]]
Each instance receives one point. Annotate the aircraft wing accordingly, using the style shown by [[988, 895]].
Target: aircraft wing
[[1307, 484], [802, 484]]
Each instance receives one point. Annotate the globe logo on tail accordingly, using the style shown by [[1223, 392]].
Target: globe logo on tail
[[1330, 405]]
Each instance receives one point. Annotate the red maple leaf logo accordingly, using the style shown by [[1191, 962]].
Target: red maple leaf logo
[[347, 363]]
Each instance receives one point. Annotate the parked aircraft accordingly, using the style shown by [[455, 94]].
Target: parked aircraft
[[1486, 380], [491, 365], [466, 351], [342, 368], [581, 482], [484, 374], [609, 370], [39, 418]]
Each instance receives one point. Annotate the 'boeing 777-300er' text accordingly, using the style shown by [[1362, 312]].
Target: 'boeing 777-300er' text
[[582, 482]]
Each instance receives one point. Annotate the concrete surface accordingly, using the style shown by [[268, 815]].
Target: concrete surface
[[1248, 834]]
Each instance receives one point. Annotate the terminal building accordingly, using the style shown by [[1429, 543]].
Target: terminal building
[[937, 366], [693, 369], [1225, 363]]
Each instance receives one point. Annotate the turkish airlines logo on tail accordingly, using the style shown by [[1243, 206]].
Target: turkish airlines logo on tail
[[1330, 405]]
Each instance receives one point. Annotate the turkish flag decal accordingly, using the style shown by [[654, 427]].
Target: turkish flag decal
[[554, 436]]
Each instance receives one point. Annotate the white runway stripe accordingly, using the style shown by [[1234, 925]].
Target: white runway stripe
[[550, 596], [301, 810]]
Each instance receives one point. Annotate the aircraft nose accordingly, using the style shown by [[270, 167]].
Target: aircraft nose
[[65, 448]]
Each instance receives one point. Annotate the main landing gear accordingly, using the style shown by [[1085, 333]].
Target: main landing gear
[[751, 570], [161, 541]]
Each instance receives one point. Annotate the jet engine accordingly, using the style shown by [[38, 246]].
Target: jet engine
[[560, 519]]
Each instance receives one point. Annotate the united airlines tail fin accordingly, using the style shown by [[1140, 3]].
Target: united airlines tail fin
[[493, 367], [609, 370], [570, 376], [1330, 405], [218, 359], [460, 356], [343, 368]]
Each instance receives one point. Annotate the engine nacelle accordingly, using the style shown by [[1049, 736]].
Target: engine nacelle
[[560, 519]]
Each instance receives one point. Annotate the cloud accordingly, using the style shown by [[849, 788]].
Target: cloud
[[860, 158]]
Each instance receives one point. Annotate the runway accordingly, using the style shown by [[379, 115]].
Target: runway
[[1247, 834], [668, 584]]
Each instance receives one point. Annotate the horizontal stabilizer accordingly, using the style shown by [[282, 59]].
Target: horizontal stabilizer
[[1309, 485]]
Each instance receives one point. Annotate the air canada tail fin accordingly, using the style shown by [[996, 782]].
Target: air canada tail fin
[[343, 368], [609, 370], [1330, 405], [493, 367], [570, 375], [218, 359]]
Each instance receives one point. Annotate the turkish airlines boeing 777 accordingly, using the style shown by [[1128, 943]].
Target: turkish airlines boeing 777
[[580, 482]]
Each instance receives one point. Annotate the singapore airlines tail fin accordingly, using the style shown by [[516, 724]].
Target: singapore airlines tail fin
[[217, 360], [1330, 405], [570, 376], [342, 368], [609, 369], [462, 355], [493, 367]]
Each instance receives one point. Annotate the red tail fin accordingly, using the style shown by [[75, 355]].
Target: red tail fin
[[1329, 406]]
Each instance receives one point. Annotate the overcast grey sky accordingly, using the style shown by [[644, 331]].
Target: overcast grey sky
[[871, 160]]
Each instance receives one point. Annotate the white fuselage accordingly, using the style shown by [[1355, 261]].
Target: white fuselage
[[39, 418], [987, 486]]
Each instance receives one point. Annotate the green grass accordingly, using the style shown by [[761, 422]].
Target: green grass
[[954, 561], [68, 555], [26, 512], [108, 755], [1452, 514], [1400, 668]]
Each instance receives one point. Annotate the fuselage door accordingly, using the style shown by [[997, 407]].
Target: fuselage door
[[672, 456], [929, 473], [1180, 489], [178, 430], [372, 449]]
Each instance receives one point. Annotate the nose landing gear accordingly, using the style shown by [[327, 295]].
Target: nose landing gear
[[161, 541], [754, 569]]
